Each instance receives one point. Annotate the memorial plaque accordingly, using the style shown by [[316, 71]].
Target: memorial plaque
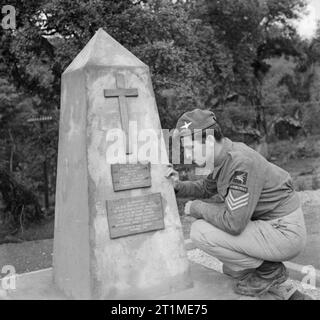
[[129, 216], [130, 176]]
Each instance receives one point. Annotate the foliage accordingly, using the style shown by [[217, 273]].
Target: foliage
[[21, 205], [211, 54], [251, 32]]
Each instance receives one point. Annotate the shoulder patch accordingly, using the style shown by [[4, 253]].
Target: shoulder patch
[[240, 177], [238, 188]]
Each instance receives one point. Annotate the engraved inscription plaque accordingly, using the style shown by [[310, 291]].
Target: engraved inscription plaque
[[129, 216], [130, 176]]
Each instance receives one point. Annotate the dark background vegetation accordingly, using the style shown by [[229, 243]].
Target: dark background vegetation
[[241, 59]]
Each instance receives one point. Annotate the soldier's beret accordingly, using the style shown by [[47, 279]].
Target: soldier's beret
[[196, 119]]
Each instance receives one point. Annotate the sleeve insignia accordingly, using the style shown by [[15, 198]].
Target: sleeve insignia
[[240, 178], [235, 203], [238, 188]]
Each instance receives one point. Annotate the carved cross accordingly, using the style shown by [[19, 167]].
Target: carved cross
[[122, 93]]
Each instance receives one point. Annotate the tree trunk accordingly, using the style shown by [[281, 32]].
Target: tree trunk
[[45, 173], [46, 187], [13, 147]]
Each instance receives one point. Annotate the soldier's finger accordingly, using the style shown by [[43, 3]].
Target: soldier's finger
[[169, 173]]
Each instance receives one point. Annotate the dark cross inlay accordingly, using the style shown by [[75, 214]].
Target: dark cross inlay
[[122, 93]]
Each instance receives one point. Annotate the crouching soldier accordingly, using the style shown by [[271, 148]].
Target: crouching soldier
[[258, 225]]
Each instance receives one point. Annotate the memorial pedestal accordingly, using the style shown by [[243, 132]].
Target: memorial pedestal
[[117, 229]]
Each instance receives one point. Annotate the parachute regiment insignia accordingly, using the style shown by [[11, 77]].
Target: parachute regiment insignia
[[240, 177]]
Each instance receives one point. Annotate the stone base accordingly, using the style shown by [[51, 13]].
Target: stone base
[[208, 285], [36, 285]]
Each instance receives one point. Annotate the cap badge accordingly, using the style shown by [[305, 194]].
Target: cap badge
[[186, 125]]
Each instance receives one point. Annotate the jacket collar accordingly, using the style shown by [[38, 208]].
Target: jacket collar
[[226, 147]]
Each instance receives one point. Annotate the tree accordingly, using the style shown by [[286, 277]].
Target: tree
[[251, 31]]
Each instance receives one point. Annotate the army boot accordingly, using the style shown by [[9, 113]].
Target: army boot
[[269, 274]]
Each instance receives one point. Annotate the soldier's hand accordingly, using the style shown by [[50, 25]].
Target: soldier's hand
[[173, 176]]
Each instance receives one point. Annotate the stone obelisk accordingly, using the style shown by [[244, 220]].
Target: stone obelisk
[[107, 87]]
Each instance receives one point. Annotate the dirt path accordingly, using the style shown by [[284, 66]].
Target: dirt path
[[27, 256]]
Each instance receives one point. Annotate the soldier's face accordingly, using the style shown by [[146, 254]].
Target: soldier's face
[[200, 153]]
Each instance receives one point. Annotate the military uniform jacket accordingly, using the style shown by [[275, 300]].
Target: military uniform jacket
[[251, 188]]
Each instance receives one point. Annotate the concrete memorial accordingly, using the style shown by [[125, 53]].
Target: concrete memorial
[[117, 228]]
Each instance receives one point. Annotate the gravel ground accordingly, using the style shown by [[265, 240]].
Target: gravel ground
[[198, 256]]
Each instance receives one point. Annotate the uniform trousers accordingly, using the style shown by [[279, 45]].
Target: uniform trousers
[[274, 240]]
